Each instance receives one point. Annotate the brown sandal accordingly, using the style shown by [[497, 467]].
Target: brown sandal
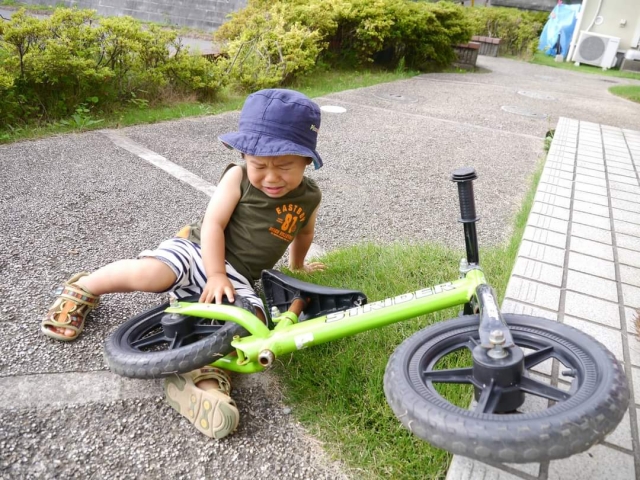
[[213, 412], [70, 309]]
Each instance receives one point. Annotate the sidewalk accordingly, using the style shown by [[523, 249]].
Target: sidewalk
[[579, 263]]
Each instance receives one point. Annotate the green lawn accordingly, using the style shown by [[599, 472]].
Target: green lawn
[[335, 389], [630, 92], [542, 59]]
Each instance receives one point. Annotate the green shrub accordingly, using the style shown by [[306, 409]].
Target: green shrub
[[340, 32], [269, 49], [74, 61], [518, 30]]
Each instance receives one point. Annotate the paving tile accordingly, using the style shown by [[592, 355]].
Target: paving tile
[[590, 151], [588, 207], [548, 223], [594, 309], [632, 319], [512, 306], [628, 241], [621, 436], [598, 462], [625, 205], [591, 220], [629, 197], [596, 160], [555, 200], [592, 265], [583, 167], [591, 179], [542, 253], [631, 296], [555, 181], [620, 163], [626, 172], [609, 337], [591, 233], [551, 211], [623, 179], [629, 257], [555, 190], [630, 275], [546, 237], [636, 383], [584, 187], [463, 468], [591, 198], [626, 228], [533, 293], [557, 173], [634, 350], [538, 271], [589, 247], [592, 285], [624, 187], [626, 216], [587, 172], [560, 165]]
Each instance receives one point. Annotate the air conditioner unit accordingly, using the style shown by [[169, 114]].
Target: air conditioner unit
[[596, 49]]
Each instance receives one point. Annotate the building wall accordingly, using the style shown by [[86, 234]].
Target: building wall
[[543, 5], [613, 12], [201, 14]]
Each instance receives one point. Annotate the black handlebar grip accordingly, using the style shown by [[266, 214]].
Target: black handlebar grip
[[464, 178]]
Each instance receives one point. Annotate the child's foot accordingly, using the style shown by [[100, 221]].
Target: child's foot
[[202, 396], [65, 319]]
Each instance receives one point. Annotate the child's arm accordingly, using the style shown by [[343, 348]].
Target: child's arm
[[222, 204], [300, 246]]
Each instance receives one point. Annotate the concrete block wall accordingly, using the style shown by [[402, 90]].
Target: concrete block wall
[[201, 14]]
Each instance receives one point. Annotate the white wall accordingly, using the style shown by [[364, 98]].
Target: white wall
[[612, 13]]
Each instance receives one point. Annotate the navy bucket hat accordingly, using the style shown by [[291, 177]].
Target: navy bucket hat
[[277, 122]]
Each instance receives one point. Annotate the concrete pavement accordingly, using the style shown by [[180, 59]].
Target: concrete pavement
[[74, 202]]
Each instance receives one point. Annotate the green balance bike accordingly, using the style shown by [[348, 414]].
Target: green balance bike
[[586, 400]]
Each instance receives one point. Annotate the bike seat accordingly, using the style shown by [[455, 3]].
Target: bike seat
[[280, 290]]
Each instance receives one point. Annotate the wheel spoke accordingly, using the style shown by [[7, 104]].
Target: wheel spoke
[[455, 375], [149, 341], [534, 387], [488, 399], [176, 342], [537, 357]]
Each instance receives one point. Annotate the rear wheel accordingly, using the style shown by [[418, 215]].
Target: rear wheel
[[585, 405], [156, 344]]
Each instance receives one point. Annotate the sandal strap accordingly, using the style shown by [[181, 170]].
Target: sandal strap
[[213, 373], [78, 295]]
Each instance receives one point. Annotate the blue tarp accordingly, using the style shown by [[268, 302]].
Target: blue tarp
[[562, 22]]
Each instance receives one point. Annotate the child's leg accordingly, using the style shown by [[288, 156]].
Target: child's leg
[[135, 275], [81, 295]]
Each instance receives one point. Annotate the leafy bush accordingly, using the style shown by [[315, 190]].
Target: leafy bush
[[518, 30], [270, 43], [55, 67]]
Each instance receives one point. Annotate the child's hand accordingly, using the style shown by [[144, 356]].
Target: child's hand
[[218, 286], [311, 267]]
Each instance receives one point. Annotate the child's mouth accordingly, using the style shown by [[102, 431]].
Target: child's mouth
[[273, 190]]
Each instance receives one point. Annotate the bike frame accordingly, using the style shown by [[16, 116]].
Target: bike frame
[[257, 351]]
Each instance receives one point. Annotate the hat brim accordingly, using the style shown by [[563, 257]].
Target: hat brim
[[261, 145]]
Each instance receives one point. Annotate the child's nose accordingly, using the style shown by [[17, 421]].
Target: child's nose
[[271, 176]]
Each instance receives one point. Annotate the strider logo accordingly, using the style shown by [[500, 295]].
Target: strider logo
[[289, 218]]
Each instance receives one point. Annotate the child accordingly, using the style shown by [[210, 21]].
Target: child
[[257, 211]]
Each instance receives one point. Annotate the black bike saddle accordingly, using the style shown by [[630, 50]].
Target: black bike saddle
[[280, 290]]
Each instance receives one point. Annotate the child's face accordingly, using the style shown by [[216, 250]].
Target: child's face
[[276, 176]]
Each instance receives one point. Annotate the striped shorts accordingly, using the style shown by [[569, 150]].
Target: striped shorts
[[185, 259]]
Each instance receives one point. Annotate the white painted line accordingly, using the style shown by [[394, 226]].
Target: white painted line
[[159, 161]]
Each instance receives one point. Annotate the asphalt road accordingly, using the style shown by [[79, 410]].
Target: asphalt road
[[74, 202]]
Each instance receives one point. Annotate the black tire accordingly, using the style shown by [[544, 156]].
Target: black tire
[[128, 361], [599, 395]]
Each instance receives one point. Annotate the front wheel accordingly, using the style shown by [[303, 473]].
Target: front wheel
[[156, 344], [577, 412]]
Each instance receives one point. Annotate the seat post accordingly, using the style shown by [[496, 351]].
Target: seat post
[[464, 177]]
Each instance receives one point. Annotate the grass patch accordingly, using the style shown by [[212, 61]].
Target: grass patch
[[336, 389], [630, 92], [318, 84], [541, 59]]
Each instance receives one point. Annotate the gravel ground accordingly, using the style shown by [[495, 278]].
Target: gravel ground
[[75, 202]]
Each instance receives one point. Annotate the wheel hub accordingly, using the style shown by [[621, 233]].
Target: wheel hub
[[174, 324], [499, 374]]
